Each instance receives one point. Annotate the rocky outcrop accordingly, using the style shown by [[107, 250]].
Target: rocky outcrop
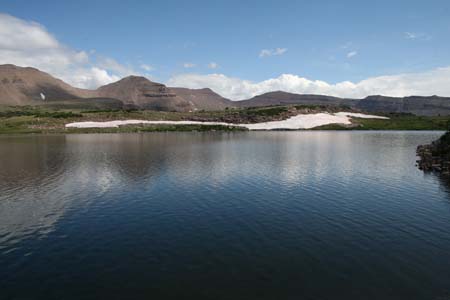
[[435, 156]]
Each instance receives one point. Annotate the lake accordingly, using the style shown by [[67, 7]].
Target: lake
[[250, 215]]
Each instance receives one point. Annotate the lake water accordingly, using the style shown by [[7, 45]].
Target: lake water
[[252, 215]]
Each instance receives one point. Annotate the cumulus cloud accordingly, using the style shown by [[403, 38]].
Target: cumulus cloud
[[188, 65], [436, 81], [29, 44], [272, 52], [213, 65], [351, 54]]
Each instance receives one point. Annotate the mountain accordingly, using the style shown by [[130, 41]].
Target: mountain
[[141, 92], [284, 98], [29, 86], [20, 86], [425, 106], [204, 99]]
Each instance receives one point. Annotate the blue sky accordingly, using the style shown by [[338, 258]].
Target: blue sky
[[331, 41]]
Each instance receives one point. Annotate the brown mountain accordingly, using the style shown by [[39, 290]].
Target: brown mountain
[[284, 98], [425, 106], [29, 86], [20, 86], [204, 99], [139, 91]]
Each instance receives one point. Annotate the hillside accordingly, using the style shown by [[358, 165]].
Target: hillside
[[284, 98], [20, 86], [423, 106], [204, 99]]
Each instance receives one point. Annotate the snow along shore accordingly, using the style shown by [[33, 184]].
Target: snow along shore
[[305, 121]]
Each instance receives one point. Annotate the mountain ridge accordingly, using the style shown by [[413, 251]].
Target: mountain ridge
[[29, 86]]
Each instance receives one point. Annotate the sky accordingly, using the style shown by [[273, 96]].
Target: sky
[[237, 48]]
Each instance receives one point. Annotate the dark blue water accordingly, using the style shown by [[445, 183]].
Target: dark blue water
[[262, 215]]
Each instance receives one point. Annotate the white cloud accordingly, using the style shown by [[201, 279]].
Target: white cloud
[[272, 52], [410, 35], [351, 54], [25, 43], [188, 65], [431, 82], [147, 68], [213, 65], [417, 36]]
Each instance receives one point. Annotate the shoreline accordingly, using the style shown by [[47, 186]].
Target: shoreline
[[32, 120]]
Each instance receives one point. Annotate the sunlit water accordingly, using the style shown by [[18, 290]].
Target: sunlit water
[[260, 215]]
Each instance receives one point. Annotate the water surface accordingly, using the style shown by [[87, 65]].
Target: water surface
[[253, 215]]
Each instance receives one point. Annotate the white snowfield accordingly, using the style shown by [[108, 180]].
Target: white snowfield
[[304, 121]]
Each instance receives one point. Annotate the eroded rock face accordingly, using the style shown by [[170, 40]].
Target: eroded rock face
[[144, 93]]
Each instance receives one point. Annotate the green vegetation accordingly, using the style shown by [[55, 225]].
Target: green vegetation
[[265, 111], [156, 128], [38, 119], [405, 122], [40, 114], [395, 122]]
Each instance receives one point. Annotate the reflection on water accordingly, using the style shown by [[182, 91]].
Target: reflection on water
[[263, 215]]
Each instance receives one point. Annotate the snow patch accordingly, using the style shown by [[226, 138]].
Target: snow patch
[[304, 121]]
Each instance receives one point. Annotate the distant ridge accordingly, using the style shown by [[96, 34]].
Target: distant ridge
[[30, 86], [284, 98]]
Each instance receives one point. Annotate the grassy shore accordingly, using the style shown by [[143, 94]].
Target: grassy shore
[[31, 119], [395, 122]]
